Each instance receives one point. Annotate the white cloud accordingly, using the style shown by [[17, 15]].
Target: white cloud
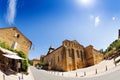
[[11, 11], [113, 18], [97, 20]]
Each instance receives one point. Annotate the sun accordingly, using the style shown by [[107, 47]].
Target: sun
[[85, 2]]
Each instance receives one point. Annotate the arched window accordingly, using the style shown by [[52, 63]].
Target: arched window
[[69, 54], [17, 35], [72, 51], [82, 55], [78, 55]]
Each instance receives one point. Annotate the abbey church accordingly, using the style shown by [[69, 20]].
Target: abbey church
[[71, 56]]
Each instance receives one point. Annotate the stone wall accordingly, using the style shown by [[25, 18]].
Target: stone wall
[[35, 61], [11, 36], [71, 56], [92, 56], [98, 57], [55, 58], [74, 53]]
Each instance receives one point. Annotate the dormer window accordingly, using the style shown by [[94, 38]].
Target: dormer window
[[17, 35]]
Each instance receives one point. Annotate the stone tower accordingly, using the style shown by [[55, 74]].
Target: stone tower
[[119, 34]]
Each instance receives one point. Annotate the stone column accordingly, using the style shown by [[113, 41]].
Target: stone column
[[74, 59]]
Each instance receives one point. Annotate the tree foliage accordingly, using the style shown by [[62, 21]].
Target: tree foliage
[[112, 49], [30, 62], [23, 62], [43, 64], [114, 45], [3, 45]]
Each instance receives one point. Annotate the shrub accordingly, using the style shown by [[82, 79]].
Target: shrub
[[43, 64], [23, 62], [3, 45]]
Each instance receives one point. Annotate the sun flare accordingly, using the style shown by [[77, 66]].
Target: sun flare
[[86, 2]]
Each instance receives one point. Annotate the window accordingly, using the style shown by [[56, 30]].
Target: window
[[17, 35], [69, 53], [72, 51], [81, 54], [78, 55], [14, 45], [58, 58]]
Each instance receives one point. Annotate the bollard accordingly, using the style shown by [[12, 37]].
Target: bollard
[[3, 77], [19, 77], [106, 68], [96, 71], [115, 62], [62, 73], [76, 74], [84, 73], [22, 76]]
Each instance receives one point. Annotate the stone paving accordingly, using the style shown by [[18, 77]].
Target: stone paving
[[42, 75], [110, 73]]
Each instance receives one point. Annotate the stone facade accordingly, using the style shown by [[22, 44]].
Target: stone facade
[[35, 61], [92, 56], [71, 56], [15, 39]]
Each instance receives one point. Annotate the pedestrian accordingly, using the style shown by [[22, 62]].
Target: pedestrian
[[18, 66]]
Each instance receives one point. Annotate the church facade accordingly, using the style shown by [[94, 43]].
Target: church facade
[[71, 56]]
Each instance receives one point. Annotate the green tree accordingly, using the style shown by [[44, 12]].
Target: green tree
[[114, 45], [30, 62], [23, 62]]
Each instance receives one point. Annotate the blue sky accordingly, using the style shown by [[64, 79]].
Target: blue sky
[[49, 22]]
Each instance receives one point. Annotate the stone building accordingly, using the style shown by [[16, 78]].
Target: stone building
[[35, 61], [71, 56], [42, 58], [15, 39], [92, 55]]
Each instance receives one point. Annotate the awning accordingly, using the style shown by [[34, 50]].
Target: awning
[[10, 54]]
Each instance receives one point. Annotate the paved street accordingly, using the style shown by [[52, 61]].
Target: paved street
[[43, 75]]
